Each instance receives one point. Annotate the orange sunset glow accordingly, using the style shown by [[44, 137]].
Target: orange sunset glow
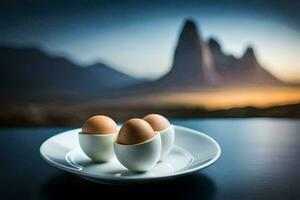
[[213, 99]]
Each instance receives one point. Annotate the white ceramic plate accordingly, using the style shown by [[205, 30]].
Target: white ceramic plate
[[193, 151]]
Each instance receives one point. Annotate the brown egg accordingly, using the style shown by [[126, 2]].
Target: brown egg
[[99, 124], [158, 122], [135, 131]]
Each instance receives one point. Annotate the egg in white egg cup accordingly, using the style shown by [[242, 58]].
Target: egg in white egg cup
[[139, 157], [167, 141], [98, 147]]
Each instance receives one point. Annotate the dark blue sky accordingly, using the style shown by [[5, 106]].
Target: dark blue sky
[[139, 37]]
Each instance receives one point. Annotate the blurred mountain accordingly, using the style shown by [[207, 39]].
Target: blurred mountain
[[244, 70], [32, 73], [192, 62], [39, 89], [197, 64]]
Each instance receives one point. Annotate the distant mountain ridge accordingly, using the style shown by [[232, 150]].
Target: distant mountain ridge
[[39, 89], [31, 72], [243, 70], [198, 64]]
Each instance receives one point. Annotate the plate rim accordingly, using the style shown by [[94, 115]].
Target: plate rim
[[114, 178]]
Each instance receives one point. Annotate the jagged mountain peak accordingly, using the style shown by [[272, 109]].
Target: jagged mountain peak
[[189, 24], [189, 33], [249, 53], [189, 47], [192, 57], [197, 62], [214, 44]]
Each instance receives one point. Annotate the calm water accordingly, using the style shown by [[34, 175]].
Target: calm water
[[259, 156]]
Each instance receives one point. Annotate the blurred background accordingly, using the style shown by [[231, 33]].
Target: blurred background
[[63, 61]]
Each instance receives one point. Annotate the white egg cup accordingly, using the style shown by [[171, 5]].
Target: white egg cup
[[139, 157], [98, 148], [167, 141]]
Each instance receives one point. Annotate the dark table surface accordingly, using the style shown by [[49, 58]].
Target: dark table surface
[[260, 160]]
